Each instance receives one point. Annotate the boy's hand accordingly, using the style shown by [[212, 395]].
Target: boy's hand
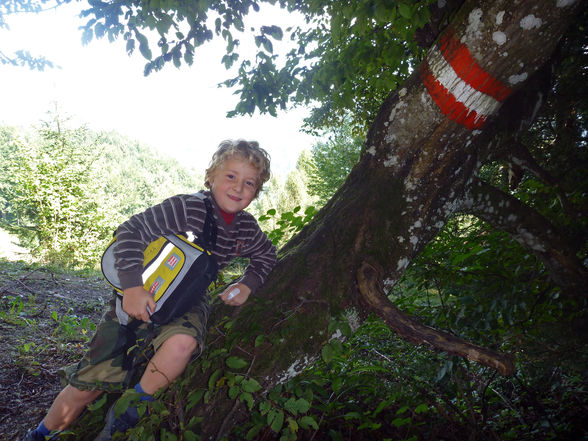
[[135, 302], [236, 294]]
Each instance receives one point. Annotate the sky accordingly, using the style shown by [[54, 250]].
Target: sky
[[180, 112]]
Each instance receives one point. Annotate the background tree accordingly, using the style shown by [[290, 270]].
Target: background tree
[[64, 191], [330, 162]]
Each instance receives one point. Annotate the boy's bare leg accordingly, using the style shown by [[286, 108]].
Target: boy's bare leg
[[67, 406], [168, 362]]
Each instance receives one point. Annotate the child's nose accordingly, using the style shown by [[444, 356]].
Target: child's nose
[[239, 185]]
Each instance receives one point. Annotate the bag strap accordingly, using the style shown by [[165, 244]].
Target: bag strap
[[207, 239]]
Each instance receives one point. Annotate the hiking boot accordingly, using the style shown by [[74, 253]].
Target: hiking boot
[[33, 435], [127, 420]]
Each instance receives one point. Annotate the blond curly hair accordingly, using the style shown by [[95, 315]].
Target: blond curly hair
[[249, 151]]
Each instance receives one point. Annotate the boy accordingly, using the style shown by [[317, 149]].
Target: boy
[[237, 171]]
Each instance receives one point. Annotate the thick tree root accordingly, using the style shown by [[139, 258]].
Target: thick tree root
[[370, 286]]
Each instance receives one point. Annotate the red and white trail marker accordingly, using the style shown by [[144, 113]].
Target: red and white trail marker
[[462, 89]]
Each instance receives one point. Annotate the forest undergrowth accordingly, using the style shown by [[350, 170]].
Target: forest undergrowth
[[372, 386]]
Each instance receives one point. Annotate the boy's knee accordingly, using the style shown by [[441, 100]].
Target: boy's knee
[[182, 344]]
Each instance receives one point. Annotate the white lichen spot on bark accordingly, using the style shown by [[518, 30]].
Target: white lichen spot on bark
[[441, 4], [515, 79], [391, 161], [400, 239], [417, 224], [474, 29], [564, 3], [337, 335], [295, 368], [390, 138], [371, 150], [527, 238], [531, 22], [397, 108], [402, 264], [402, 92], [499, 38], [353, 319], [499, 18], [511, 218]]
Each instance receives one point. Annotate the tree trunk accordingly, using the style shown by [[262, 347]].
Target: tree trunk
[[420, 156]]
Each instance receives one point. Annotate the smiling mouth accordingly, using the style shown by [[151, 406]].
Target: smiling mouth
[[234, 198]]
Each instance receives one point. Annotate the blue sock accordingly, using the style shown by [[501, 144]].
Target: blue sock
[[42, 429], [144, 395]]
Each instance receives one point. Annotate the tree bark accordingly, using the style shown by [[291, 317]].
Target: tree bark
[[419, 157]]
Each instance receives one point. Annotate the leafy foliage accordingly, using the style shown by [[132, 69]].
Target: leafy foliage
[[66, 190], [330, 162], [23, 57], [337, 54], [50, 194]]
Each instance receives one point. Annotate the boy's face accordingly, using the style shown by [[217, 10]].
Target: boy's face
[[234, 185]]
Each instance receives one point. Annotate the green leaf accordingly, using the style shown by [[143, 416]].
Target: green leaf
[[353, 416], [98, 403], [399, 422], [404, 10], [421, 408], [290, 406], [254, 431], [213, 378], [248, 398], [265, 406], [292, 425], [194, 398], [236, 363], [190, 436], [143, 45], [250, 385], [328, 353], [234, 392], [307, 422], [275, 419], [275, 31]]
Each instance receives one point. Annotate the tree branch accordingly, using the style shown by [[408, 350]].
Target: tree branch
[[532, 230], [521, 157], [370, 287]]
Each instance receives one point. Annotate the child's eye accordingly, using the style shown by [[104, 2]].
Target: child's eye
[[230, 176], [250, 183]]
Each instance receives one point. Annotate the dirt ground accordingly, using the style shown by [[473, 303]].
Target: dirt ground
[[42, 328]]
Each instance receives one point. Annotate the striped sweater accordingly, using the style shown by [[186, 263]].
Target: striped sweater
[[183, 213]]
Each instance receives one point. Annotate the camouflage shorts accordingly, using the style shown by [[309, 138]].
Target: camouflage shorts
[[115, 354]]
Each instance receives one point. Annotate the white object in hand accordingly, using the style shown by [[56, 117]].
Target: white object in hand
[[233, 293]]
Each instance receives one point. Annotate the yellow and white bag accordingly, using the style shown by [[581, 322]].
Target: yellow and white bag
[[176, 270]]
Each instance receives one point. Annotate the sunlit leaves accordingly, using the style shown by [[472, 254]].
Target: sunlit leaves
[[349, 56]]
